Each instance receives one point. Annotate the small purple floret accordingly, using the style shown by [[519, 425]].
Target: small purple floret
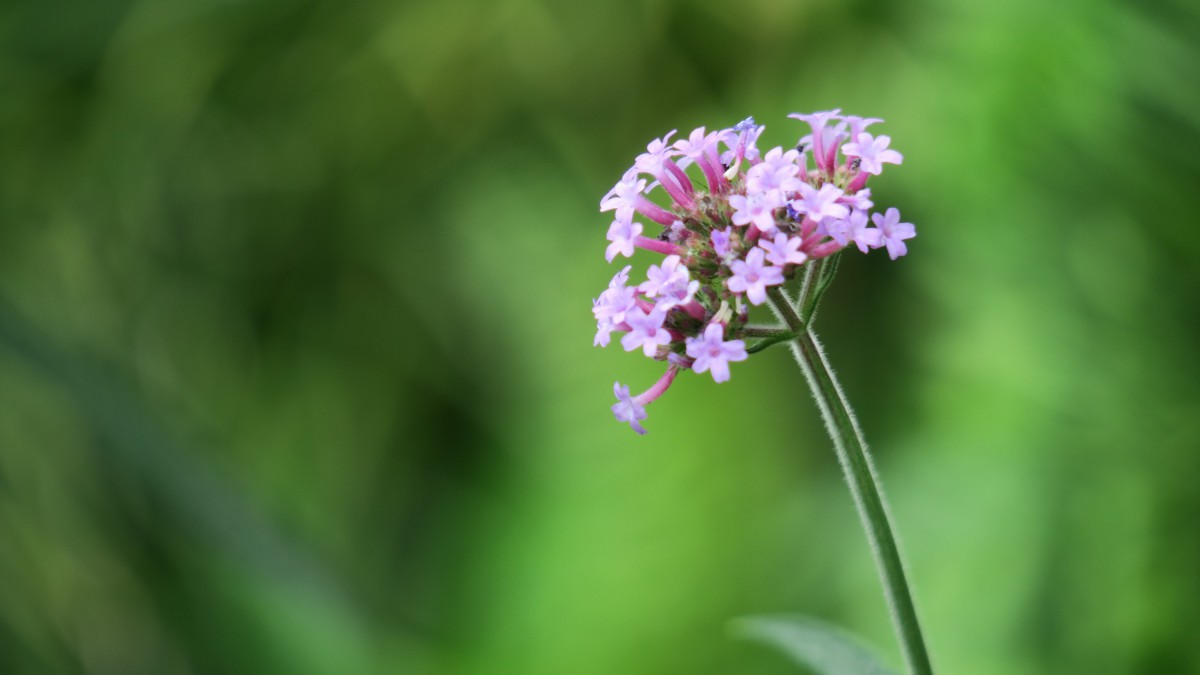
[[752, 276], [893, 232], [818, 204], [783, 250], [628, 410], [645, 331], [872, 153], [712, 352], [622, 234]]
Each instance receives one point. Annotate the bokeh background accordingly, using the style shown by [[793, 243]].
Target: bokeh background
[[296, 371]]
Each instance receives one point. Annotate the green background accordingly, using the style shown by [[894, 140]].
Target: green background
[[296, 371]]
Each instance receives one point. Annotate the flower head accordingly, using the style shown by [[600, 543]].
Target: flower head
[[745, 221]]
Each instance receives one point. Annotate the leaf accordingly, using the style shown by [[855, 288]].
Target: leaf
[[823, 647]]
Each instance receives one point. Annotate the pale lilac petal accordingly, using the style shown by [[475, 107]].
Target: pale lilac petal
[[628, 410]]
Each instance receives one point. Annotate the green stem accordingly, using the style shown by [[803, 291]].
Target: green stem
[[860, 475], [773, 339], [766, 332]]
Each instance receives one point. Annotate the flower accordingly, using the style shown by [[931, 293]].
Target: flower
[[701, 148], [612, 305], [626, 197], [720, 242], [893, 232], [776, 174], [645, 330], [783, 250], [658, 152], [818, 204], [670, 283], [626, 409], [744, 221], [872, 153], [756, 208], [622, 234], [821, 136], [860, 200], [713, 353], [751, 276]]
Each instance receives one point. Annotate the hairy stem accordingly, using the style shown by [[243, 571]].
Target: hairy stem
[[766, 332], [768, 340], [860, 475]]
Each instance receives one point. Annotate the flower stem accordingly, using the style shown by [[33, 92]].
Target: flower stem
[[860, 475]]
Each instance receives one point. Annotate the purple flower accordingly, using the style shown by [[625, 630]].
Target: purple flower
[[776, 173], [664, 275], [818, 120], [818, 204], [756, 208], [696, 144], [784, 250], [872, 153], [751, 276], [893, 232], [860, 200], [645, 331], [657, 152], [741, 142], [670, 283], [611, 307], [820, 137], [676, 232], [677, 294], [713, 353], [626, 197], [701, 148], [626, 409], [709, 273], [854, 229], [632, 409], [859, 124], [745, 125], [720, 242], [622, 234]]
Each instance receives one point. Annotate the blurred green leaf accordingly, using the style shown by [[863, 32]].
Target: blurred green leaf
[[826, 649]]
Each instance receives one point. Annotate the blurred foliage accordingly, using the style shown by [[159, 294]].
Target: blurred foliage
[[295, 362]]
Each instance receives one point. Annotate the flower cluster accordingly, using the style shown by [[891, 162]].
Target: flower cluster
[[754, 221]]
